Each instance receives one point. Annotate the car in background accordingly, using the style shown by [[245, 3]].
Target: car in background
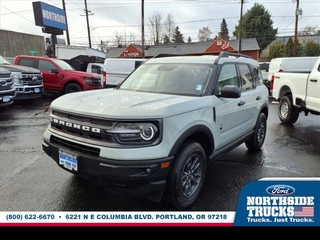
[[27, 81], [117, 69], [7, 89], [59, 76], [264, 67]]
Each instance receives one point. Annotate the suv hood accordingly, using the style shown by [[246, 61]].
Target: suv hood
[[121, 104], [19, 68]]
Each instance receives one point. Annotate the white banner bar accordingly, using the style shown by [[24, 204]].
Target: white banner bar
[[116, 217]]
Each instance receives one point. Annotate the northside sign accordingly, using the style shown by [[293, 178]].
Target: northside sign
[[49, 16]]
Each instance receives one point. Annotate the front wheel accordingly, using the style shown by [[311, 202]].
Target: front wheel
[[256, 141], [72, 87], [287, 112], [187, 176]]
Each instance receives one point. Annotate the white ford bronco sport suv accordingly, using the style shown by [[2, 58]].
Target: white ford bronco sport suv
[[155, 134]]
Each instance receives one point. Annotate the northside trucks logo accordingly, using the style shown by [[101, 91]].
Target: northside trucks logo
[[280, 206]]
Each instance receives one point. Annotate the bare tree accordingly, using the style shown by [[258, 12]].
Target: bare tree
[[309, 30], [204, 34], [118, 39], [132, 38], [156, 27], [104, 46], [169, 26]]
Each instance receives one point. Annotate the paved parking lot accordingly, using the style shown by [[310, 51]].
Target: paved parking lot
[[31, 181]]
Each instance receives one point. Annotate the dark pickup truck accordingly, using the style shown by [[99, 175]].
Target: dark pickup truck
[[27, 81], [7, 90]]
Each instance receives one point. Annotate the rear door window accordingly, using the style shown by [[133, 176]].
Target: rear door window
[[246, 77], [28, 62]]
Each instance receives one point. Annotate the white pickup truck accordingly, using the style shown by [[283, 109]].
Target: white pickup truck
[[297, 92], [97, 68]]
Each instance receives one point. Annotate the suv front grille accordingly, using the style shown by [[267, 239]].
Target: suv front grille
[[90, 151], [84, 128]]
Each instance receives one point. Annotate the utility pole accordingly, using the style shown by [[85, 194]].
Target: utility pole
[[240, 28], [142, 27], [86, 10], [67, 31], [296, 30]]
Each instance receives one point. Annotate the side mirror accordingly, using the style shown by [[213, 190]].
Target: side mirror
[[230, 91], [54, 70]]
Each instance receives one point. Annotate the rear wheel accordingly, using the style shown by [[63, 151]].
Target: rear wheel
[[72, 87], [187, 176], [256, 141], [287, 112]]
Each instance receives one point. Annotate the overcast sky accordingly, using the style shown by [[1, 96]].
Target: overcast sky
[[108, 17]]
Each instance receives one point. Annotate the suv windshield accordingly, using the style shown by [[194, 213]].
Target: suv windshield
[[169, 78]]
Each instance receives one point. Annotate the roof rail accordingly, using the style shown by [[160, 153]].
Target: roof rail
[[227, 54], [166, 55]]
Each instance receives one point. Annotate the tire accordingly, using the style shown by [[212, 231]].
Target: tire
[[287, 113], [256, 141], [186, 177], [72, 87]]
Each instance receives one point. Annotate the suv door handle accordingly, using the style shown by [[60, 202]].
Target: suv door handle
[[258, 98], [313, 80], [241, 103]]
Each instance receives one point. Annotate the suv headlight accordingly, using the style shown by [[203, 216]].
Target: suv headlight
[[17, 78], [135, 133]]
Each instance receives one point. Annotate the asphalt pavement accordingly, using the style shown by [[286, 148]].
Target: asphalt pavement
[[31, 181]]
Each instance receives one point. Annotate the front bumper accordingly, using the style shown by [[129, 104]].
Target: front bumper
[[29, 92], [7, 97], [138, 178]]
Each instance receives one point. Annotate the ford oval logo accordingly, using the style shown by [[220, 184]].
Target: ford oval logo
[[280, 190], [3, 82], [35, 79]]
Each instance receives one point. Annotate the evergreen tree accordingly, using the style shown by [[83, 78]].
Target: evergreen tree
[[189, 39], [312, 48], [166, 39], [257, 23], [288, 49], [276, 50], [224, 32], [177, 36]]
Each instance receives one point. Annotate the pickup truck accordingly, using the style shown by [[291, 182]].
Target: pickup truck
[[297, 92], [59, 76], [97, 68], [28, 81], [7, 90]]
